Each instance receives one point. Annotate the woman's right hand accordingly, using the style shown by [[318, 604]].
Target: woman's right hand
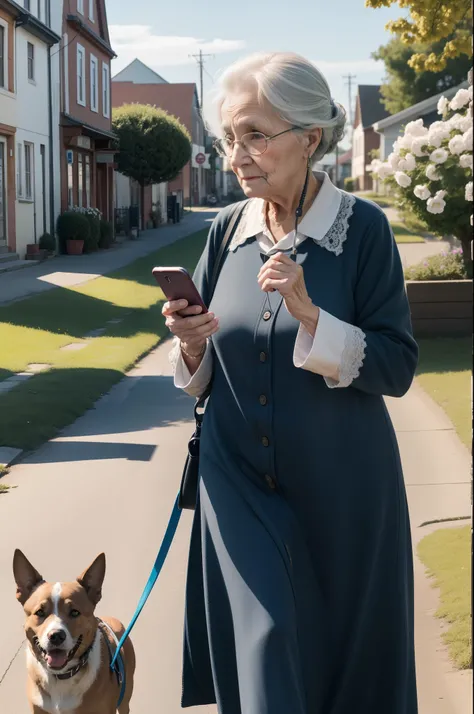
[[190, 326]]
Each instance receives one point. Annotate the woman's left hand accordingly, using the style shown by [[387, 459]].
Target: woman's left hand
[[285, 275]]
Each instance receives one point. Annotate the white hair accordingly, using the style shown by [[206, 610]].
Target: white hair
[[296, 90]]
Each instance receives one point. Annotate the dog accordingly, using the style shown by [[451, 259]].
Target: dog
[[69, 650]]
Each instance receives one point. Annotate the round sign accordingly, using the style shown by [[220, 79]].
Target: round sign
[[200, 158]]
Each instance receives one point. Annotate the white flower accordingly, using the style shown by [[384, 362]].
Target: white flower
[[402, 179], [460, 100], [456, 144], [408, 163], [440, 194], [470, 92], [439, 156], [416, 128], [431, 173], [468, 140], [466, 161], [422, 192], [404, 142], [435, 205], [419, 146], [384, 171], [472, 224], [443, 105], [393, 159], [375, 165], [459, 122], [468, 193]]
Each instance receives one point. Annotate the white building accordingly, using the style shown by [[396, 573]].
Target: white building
[[29, 128]]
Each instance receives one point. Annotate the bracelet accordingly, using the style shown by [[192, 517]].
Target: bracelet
[[191, 356]]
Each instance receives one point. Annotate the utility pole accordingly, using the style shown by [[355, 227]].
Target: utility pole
[[349, 78], [200, 60]]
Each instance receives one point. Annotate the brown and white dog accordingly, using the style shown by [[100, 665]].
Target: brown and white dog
[[68, 648]]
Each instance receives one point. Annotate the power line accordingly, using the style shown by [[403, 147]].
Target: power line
[[349, 78], [200, 60]]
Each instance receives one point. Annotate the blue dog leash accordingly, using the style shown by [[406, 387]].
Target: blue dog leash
[[156, 570]]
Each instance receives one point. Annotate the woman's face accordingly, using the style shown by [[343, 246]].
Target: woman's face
[[269, 174]]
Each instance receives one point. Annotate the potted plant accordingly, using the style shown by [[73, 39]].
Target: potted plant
[[93, 217], [47, 244], [73, 232]]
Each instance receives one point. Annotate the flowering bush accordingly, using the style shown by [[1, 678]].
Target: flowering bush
[[446, 266], [430, 170], [93, 217]]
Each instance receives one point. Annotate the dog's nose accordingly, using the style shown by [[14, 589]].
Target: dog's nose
[[57, 637]]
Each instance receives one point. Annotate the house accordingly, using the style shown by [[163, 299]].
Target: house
[[369, 110], [393, 126], [337, 165], [29, 134], [137, 83], [86, 137]]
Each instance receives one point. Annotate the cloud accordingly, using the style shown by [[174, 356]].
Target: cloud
[[157, 51]]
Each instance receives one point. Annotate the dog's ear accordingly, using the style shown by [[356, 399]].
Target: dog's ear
[[92, 579], [27, 577]]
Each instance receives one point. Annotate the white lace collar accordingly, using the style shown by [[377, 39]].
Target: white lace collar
[[326, 222]]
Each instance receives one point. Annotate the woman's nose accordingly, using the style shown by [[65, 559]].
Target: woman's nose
[[239, 156]]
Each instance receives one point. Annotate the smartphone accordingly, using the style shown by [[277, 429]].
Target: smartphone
[[177, 284]]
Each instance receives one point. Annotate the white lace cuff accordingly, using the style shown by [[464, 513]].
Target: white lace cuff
[[193, 384], [336, 352]]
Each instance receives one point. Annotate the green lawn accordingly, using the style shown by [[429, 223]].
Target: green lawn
[[403, 235], [444, 371], [446, 555], [36, 328], [382, 201]]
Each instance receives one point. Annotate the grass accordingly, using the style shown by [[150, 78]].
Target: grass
[[36, 328], [444, 371], [382, 201], [446, 555], [403, 235]]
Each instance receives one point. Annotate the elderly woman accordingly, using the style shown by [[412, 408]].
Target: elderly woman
[[300, 588]]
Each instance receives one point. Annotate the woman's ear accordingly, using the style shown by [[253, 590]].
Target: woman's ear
[[314, 137]]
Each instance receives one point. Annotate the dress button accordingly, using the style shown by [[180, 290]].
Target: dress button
[[270, 482], [265, 441], [262, 399], [263, 356], [267, 315]]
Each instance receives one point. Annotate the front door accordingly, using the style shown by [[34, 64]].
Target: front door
[[3, 196]]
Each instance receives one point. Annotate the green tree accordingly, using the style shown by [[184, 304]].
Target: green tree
[[404, 86], [430, 21], [153, 145]]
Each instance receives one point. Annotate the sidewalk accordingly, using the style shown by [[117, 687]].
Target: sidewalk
[[67, 271], [120, 464]]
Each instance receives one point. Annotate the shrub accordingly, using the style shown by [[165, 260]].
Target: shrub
[[72, 226], [349, 184], [93, 217], [47, 242], [106, 234], [445, 266]]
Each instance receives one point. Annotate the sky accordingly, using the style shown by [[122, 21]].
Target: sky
[[338, 35]]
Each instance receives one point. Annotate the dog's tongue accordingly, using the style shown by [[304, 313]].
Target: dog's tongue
[[56, 659]]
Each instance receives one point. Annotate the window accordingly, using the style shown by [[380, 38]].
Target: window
[[105, 90], [19, 170], [39, 10], [81, 75], [94, 84], [91, 10], [80, 6], [31, 61], [88, 180], [28, 171], [47, 12], [80, 180], [27, 5], [3, 57]]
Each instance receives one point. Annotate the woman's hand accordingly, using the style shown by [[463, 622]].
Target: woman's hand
[[285, 275], [190, 326]]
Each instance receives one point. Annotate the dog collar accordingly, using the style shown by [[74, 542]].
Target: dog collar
[[75, 670]]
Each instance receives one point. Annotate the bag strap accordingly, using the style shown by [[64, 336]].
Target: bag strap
[[231, 225]]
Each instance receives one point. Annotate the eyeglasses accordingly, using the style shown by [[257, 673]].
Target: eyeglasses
[[254, 143]]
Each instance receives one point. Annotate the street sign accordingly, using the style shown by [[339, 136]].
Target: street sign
[[200, 158], [70, 156]]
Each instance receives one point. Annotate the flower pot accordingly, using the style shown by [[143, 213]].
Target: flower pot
[[32, 249], [74, 247]]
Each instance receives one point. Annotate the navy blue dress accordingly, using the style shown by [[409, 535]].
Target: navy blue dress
[[300, 588]]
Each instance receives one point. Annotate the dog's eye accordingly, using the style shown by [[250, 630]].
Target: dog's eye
[[75, 613], [40, 613]]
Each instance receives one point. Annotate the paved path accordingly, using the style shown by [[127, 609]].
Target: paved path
[[66, 270], [121, 462]]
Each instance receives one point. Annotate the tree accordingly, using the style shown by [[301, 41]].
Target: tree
[[403, 86], [430, 21], [431, 169], [153, 145]]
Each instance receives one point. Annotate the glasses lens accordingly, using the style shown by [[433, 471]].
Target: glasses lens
[[220, 148], [254, 143]]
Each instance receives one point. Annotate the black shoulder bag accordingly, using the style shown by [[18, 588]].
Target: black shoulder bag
[[190, 478]]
